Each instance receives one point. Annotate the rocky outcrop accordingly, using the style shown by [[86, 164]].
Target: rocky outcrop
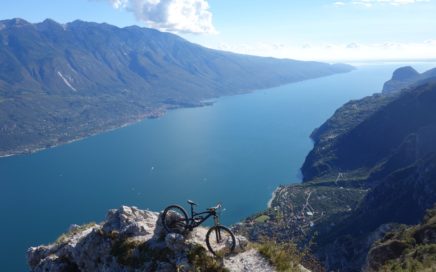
[[244, 262], [113, 245], [406, 77], [409, 248], [401, 78], [132, 239]]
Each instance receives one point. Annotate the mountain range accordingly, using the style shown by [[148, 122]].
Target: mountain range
[[61, 82]]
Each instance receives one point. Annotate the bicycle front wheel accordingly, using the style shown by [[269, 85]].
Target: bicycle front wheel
[[220, 240], [175, 219]]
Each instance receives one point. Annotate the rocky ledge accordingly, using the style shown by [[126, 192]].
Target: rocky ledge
[[406, 248], [134, 240]]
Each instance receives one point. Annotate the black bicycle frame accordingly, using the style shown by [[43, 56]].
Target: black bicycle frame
[[197, 219]]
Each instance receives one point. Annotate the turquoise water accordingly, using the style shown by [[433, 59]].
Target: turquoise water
[[235, 152]]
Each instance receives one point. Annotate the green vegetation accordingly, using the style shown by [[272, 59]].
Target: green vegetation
[[335, 148], [262, 218], [135, 253], [203, 262], [65, 236], [285, 257], [138, 254], [408, 249], [421, 258]]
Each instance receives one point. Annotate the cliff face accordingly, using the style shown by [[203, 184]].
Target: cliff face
[[373, 166], [341, 143], [364, 133]]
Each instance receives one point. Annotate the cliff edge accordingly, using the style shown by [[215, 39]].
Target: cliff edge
[[131, 239]]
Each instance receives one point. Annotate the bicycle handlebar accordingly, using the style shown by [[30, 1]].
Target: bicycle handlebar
[[218, 206]]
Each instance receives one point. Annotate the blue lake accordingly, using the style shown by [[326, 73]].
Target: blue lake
[[235, 152]]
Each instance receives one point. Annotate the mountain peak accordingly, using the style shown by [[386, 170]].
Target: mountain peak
[[15, 22], [49, 25], [50, 21], [401, 78], [404, 73]]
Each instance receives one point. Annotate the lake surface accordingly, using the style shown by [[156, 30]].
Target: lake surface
[[235, 152]]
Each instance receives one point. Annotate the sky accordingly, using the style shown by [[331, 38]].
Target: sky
[[347, 30]]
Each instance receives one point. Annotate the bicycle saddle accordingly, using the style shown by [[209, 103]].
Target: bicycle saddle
[[191, 202]]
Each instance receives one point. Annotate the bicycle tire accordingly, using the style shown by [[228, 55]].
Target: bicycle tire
[[180, 225], [217, 234]]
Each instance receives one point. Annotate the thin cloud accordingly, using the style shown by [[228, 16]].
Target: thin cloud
[[180, 16], [339, 3], [353, 51], [371, 3]]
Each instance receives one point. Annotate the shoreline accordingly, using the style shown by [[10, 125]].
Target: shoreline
[[159, 112], [30, 151], [155, 114], [273, 196]]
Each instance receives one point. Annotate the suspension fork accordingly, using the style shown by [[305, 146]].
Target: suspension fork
[[217, 230], [216, 220]]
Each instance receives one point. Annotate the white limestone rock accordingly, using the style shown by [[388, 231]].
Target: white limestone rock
[[248, 261], [131, 221], [175, 242], [241, 243], [144, 246]]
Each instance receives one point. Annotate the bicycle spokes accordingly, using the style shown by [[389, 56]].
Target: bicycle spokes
[[175, 219], [220, 240]]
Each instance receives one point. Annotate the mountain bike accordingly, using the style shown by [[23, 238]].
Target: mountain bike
[[220, 240]]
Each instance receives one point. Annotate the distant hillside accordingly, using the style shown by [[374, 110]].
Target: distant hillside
[[407, 76], [373, 166], [61, 82]]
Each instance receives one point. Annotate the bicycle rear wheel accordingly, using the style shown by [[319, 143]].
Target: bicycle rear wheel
[[175, 219], [220, 240]]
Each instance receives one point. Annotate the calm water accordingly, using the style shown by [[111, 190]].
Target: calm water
[[236, 152]]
